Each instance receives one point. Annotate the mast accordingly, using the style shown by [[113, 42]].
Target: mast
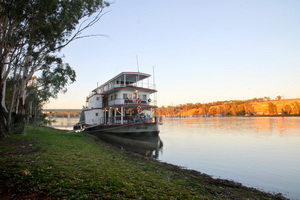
[[137, 63], [153, 77], [154, 87]]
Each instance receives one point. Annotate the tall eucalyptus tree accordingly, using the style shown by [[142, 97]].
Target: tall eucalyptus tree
[[32, 31]]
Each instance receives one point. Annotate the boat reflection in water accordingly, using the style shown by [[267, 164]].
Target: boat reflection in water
[[146, 145]]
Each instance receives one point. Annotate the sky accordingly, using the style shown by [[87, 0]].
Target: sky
[[201, 50]]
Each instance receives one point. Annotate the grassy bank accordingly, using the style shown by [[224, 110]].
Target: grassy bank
[[77, 165]]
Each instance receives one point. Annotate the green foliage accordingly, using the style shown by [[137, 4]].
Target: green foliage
[[53, 81]]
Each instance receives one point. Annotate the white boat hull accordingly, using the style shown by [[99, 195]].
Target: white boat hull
[[133, 128]]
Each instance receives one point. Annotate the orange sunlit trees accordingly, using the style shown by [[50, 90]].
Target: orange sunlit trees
[[255, 106], [272, 108], [296, 108], [287, 109]]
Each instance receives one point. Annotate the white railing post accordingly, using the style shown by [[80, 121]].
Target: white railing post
[[124, 80], [122, 108], [115, 116], [109, 116]]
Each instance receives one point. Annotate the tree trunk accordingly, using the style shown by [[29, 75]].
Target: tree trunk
[[3, 129], [13, 98], [30, 114], [4, 133], [20, 120]]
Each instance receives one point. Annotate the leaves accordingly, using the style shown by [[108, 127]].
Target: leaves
[[52, 81]]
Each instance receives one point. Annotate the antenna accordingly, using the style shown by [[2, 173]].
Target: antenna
[[153, 75], [154, 87], [137, 63]]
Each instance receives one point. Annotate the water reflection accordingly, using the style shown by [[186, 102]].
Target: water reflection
[[259, 124], [63, 123], [146, 145], [260, 152]]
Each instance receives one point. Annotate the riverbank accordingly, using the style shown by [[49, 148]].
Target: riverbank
[[77, 165]]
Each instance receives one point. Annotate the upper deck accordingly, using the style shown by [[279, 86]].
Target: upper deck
[[135, 80], [127, 88]]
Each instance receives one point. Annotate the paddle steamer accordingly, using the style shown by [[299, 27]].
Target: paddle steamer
[[124, 104]]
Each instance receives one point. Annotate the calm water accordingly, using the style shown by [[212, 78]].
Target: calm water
[[63, 123], [257, 152]]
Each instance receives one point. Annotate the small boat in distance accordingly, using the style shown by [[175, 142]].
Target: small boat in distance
[[124, 104]]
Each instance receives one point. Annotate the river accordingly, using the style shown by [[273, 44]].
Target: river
[[260, 152]]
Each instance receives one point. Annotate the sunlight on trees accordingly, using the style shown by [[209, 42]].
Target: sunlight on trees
[[255, 106]]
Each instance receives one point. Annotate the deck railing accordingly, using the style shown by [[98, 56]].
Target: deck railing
[[120, 101], [137, 84], [126, 120]]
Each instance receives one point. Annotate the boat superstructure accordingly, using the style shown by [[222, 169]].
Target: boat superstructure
[[124, 104]]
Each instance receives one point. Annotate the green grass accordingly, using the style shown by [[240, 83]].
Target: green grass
[[78, 166]]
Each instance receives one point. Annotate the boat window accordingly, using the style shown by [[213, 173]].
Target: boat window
[[130, 96], [96, 114], [98, 98], [125, 95], [144, 97], [116, 96], [134, 95]]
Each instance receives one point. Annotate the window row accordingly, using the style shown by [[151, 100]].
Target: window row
[[134, 96], [128, 96]]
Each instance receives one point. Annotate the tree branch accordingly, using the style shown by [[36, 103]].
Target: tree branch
[[80, 30]]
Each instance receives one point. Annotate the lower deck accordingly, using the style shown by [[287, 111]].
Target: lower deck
[[130, 128], [118, 115]]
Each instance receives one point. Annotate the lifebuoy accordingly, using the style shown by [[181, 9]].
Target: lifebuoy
[[138, 100], [139, 109]]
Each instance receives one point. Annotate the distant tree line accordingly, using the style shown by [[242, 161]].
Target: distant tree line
[[255, 106]]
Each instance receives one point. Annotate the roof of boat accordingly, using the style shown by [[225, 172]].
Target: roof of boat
[[130, 77]]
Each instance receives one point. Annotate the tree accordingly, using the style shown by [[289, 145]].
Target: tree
[[267, 98], [278, 97], [296, 108], [54, 80], [248, 108], [198, 105], [272, 108], [213, 111], [221, 110], [32, 30], [287, 109], [240, 110]]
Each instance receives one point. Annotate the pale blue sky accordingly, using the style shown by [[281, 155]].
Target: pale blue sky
[[202, 50]]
